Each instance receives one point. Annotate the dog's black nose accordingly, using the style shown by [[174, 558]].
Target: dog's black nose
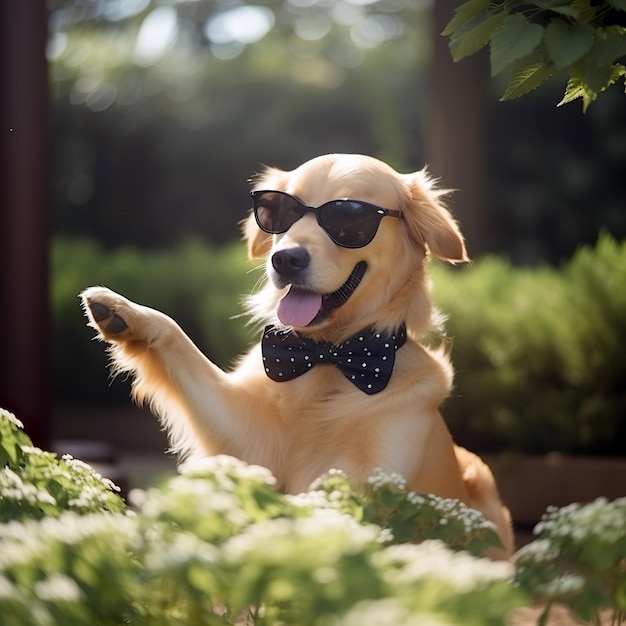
[[290, 261]]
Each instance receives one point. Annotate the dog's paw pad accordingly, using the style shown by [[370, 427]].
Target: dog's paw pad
[[117, 325], [99, 312], [108, 322]]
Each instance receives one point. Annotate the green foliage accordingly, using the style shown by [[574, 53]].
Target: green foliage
[[34, 483], [535, 39], [578, 560], [407, 516], [218, 545], [199, 286], [538, 352]]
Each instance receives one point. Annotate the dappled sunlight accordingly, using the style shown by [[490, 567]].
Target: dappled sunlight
[[158, 32], [124, 33]]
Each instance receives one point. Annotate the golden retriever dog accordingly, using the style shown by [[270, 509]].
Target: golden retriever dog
[[341, 379]]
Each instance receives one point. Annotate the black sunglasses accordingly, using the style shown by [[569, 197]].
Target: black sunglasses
[[349, 223]]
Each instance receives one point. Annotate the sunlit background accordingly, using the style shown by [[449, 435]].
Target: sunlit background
[[161, 111], [166, 109]]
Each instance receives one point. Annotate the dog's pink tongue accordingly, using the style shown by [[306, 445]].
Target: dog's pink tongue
[[298, 307]]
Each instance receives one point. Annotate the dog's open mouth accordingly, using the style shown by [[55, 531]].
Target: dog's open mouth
[[300, 307]]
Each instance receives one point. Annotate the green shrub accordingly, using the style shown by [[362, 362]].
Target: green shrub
[[538, 352], [218, 545], [200, 287], [407, 516], [35, 483], [579, 560]]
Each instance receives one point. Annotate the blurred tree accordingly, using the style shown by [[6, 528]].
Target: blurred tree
[[163, 110], [156, 135], [455, 132]]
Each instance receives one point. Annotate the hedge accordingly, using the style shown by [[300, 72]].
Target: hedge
[[538, 352], [200, 287]]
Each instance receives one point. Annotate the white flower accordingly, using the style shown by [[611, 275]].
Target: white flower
[[182, 548], [541, 551], [71, 528], [318, 483], [12, 487], [415, 499], [599, 519], [89, 497], [58, 588], [566, 585], [33, 450], [385, 536], [221, 465], [11, 418], [80, 466], [309, 499], [409, 563], [7, 589], [381, 479], [333, 534], [388, 611]]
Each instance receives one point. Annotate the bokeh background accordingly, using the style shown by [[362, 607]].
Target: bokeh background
[[159, 111]]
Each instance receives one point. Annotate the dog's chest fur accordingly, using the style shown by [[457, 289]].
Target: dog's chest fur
[[324, 416]]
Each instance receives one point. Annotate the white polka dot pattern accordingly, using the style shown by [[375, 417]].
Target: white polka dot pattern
[[366, 360]]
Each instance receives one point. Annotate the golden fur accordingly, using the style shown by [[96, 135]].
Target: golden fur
[[302, 428]]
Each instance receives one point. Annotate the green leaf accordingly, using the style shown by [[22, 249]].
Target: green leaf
[[586, 85], [464, 13], [618, 4], [474, 34], [599, 78], [9, 450], [12, 438], [528, 74], [515, 39], [585, 10], [563, 7], [565, 10], [609, 46], [567, 44]]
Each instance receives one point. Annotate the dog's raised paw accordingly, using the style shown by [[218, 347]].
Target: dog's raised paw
[[108, 322], [103, 317]]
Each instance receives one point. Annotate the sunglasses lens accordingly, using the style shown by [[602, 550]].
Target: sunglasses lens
[[349, 223], [276, 212]]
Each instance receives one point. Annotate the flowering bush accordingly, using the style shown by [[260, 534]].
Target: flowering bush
[[218, 545], [405, 516], [34, 483], [579, 559]]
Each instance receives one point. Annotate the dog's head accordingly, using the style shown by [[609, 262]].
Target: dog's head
[[326, 289]]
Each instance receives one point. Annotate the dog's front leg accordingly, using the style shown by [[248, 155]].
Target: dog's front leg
[[201, 406]]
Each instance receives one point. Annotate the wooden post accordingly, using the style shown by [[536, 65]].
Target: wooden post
[[24, 311], [455, 133]]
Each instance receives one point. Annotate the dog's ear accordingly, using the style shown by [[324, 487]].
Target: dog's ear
[[429, 221]]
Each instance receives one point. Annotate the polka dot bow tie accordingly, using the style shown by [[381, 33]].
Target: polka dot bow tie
[[366, 359]]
